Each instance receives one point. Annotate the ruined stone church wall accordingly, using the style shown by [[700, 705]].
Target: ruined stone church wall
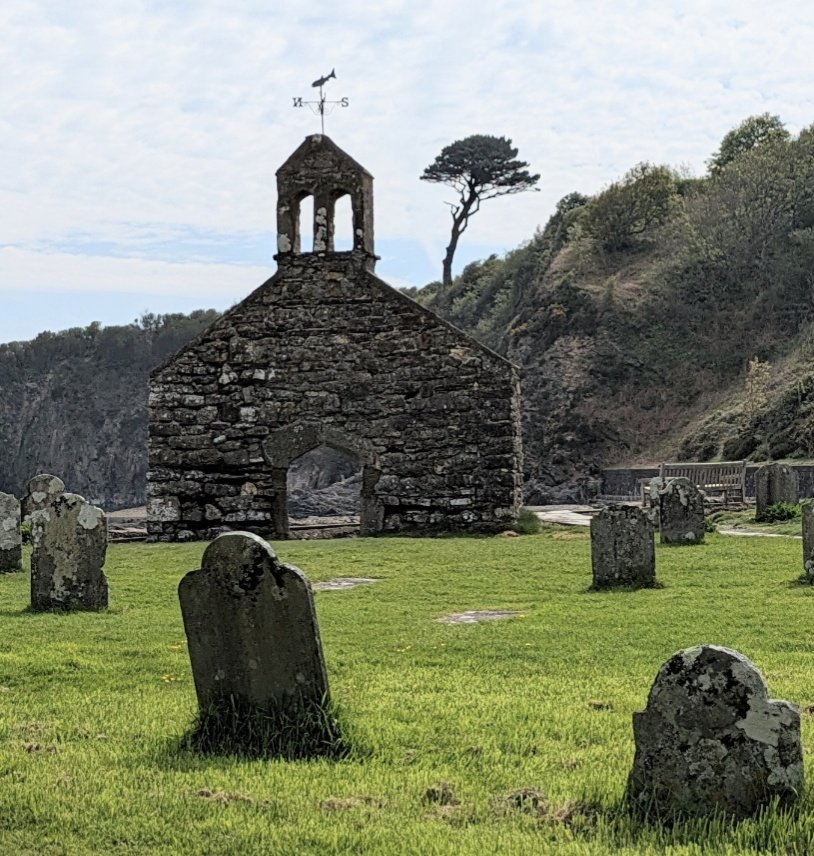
[[325, 342]]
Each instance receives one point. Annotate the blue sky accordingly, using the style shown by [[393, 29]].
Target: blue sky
[[139, 140]]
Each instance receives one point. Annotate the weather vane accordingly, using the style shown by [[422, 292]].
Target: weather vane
[[319, 106]]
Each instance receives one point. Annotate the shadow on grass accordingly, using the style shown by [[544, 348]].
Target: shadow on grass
[[778, 827], [241, 731], [622, 588], [29, 610]]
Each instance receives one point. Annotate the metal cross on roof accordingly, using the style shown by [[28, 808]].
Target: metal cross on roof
[[323, 103]]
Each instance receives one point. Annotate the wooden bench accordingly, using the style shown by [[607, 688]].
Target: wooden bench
[[726, 477]]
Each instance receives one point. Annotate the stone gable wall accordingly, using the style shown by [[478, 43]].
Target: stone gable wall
[[327, 347]]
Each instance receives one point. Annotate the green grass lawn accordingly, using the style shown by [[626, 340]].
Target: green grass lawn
[[745, 520], [94, 707]]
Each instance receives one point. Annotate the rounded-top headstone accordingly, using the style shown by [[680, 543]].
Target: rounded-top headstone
[[11, 542], [681, 512], [711, 740], [252, 629], [40, 492], [69, 544]]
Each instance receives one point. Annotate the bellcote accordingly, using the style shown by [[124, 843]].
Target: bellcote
[[319, 168]]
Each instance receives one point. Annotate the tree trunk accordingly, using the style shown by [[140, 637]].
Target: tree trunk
[[446, 277], [459, 223]]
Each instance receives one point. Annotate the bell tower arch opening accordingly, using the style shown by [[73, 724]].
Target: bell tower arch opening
[[305, 223], [342, 192], [343, 224]]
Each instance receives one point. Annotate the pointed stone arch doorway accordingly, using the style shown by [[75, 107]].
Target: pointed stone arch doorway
[[292, 441]]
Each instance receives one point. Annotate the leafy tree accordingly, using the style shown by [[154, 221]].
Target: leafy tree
[[621, 217], [753, 131], [479, 167]]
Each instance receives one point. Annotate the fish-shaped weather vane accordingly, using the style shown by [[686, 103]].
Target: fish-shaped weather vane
[[323, 103]]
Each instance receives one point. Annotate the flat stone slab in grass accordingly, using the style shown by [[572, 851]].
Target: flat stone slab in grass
[[342, 583], [476, 615], [564, 517]]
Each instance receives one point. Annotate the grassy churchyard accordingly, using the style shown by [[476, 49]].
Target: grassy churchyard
[[510, 737]]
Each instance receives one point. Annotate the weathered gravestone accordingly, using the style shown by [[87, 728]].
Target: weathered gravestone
[[808, 538], [622, 549], [775, 483], [681, 513], [711, 740], [69, 541], [255, 652], [40, 491], [11, 542]]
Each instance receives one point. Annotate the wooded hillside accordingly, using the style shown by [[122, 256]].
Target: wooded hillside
[[75, 404], [636, 315]]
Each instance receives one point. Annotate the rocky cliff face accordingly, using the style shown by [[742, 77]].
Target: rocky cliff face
[[75, 404]]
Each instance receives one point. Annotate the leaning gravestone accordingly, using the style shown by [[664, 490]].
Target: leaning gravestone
[[711, 740], [681, 513], [11, 541], [41, 491], [808, 539], [69, 541], [255, 651], [775, 483], [622, 549]]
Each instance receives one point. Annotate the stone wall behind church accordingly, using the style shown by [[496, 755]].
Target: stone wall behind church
[[326, 342]]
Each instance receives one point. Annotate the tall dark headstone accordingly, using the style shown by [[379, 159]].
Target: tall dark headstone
[[255, 650], [775, 483], [11, 542], [681, 512], [711, 740], [622, 549], [808, 538], [69, 544]]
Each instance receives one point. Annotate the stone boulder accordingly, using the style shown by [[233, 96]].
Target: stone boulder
[[69, 544], [622, 548], [11, 541], [681, 513], [710, 739]]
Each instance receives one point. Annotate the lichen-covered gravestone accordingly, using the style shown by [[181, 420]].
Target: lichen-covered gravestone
[[255, 652], [808, 539], [11, 542], [622, 549], [681, 513], [775, 483], [69, 541], [711, 740], [40, 491]]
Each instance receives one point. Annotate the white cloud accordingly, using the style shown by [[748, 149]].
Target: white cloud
[[131, 124], [26, 270]]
